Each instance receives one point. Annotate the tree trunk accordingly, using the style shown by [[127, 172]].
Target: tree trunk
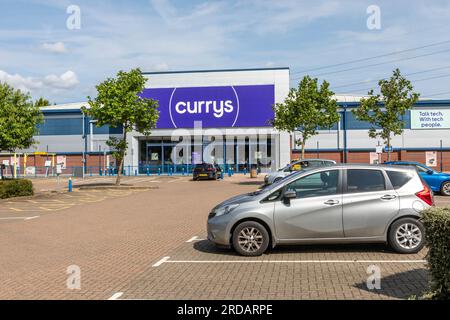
[[122, 157], [303, 149], [389, 147]]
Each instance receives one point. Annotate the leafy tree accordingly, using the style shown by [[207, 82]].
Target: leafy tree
[[41, 102], [118, 104], [19, 118], [306, 109], [386, 110]]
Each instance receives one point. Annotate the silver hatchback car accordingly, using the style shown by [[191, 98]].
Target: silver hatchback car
[[336, 204]]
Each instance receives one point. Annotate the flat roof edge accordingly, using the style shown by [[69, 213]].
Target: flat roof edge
[[216, 70]]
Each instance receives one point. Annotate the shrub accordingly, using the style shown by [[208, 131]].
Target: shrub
[[15, 188], [437, 229]]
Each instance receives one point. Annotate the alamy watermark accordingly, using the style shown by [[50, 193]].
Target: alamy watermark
[[374, 280], [374, 19], [73, 21], [73, 281]]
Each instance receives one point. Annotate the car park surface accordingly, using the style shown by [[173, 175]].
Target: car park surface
[[145, 245]]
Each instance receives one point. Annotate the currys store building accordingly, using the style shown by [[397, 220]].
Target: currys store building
[[220, 116], [215, 116]]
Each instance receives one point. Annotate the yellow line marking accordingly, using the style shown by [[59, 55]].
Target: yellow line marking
[[16, 209]]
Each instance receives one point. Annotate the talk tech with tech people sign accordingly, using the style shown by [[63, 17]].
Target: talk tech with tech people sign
[[430, 119]]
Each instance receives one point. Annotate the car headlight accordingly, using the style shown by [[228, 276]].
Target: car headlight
[[227, 209]]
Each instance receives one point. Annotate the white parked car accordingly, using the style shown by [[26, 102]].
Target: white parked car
[[296, 166]]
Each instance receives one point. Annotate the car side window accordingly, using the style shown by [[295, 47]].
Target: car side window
[[315, 185], [362, 180], [399, 178]]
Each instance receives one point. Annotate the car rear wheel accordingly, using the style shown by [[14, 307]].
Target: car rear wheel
[[407, 235], [445, 188], [250, 238]]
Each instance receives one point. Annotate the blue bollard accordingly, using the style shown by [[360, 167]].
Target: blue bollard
[[148, 172], [135, 172], [245, 171], [221, 175], [159, 171], [229, 172], [69, 187]]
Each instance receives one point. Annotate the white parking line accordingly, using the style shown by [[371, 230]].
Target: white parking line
[[116, 296], [160, 262], [18, 218], [166, 260], [194, 238]]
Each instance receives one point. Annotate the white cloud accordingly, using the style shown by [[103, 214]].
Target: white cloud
[[50, 83], [67, 80], [56, 47]]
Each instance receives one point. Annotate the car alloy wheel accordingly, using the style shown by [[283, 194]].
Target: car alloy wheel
[[445, 190], [250, 239], [408, 236]]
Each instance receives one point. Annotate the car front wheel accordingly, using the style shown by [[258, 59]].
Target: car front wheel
[[250, 238], [407, 235], [445, 188]]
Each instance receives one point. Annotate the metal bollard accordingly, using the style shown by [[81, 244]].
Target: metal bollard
[[148, 172], [69, 187], [135, 172], [159, 171]]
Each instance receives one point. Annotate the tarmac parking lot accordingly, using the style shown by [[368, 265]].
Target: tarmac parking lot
[[149, 243]]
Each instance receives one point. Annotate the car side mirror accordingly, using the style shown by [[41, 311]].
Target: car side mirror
[[288, 195], [429, 171]]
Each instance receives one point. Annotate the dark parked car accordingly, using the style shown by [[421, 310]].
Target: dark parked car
[[206, 171]]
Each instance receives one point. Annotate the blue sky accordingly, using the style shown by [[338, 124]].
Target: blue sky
[[39, 54]]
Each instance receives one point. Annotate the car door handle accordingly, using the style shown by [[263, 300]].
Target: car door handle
[[388, 197], [331, 202]]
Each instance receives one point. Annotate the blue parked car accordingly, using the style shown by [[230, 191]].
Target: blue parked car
[[438, 181]]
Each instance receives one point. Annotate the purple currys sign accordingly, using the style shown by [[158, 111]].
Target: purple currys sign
[[216, 107]]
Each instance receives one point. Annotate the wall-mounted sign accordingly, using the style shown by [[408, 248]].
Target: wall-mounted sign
[[374, 158], [48, 163], [430, 119], [215, 107], [30, 171], [431, 158], [62, 161]]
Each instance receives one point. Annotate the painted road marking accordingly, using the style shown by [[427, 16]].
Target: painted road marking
[[291, 261], [18, 218], [16, 209], [166, 260], [116, 296], [160, 262], [194, 238]]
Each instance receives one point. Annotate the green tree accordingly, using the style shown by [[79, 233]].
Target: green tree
[[385, 111], [41, 102], [306, 109], [19, 118], [118, 104]]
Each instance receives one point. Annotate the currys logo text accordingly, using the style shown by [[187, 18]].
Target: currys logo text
[[214, 107], [218, 108]]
